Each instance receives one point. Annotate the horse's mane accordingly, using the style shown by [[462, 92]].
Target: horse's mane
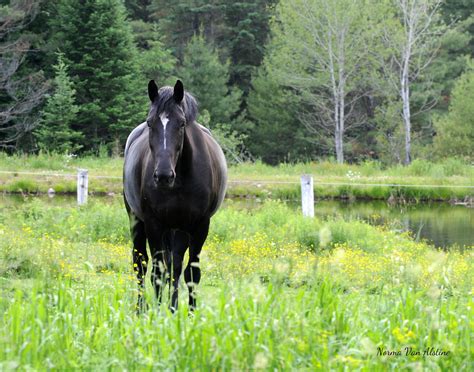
[[189, 104]]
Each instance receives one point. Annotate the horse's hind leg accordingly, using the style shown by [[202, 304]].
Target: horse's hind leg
[[140, 257], [192, 273]]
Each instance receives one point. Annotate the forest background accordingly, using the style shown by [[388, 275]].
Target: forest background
[[280, 81]]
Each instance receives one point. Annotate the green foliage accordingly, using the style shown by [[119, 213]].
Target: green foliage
[[247, 30], [55, 133], [207, 79], [237, 29], [277, 136], [281, 110], [156, 62], [455, 131], [230, 140], [316, 51], [138, 9], [98, 45], [389, 138], [180, 20], [460, 13]]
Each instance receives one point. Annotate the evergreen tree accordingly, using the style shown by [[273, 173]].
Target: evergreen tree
[[455, 131], [460, 13], [180, 20], [238, 29], [207, 78], [98, 45], [246, 31], [155, 61], [139, 9], [277, 135], [55, 131]]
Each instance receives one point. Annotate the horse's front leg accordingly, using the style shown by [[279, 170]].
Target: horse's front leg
[[192, 273], [157, 249], [179, 245]]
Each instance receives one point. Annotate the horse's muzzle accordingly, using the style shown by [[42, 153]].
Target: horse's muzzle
[[164, 178]]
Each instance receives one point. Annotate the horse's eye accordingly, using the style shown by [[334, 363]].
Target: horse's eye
[[148, 123]]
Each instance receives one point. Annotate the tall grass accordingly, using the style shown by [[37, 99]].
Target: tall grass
[[246, 325], [278, 292], [418, 168]]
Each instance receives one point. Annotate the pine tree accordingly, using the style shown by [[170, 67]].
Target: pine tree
[[98, 45], [277, 135], [247, 27], [455, 131], [180, 20], [155, 61], [55, 132], [207, 78], [238, 29]]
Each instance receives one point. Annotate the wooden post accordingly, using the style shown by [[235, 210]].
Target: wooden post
[[307, 195], [82, 186]]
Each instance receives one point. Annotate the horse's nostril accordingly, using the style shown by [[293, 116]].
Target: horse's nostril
[[164, 178]]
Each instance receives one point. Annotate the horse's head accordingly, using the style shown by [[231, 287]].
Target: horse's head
[[171, 110]]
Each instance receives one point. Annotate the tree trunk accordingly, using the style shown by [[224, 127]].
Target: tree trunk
[[405, 94], [339, 127], [339, 147], [407, 125]]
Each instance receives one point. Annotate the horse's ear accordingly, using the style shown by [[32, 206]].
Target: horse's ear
[[178, 91], [152, 90]]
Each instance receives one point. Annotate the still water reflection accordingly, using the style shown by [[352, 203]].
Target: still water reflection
[[441, 224]]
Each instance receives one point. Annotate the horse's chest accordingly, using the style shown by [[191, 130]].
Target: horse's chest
[[178, 211]]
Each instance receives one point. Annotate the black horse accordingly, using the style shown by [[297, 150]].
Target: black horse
[[174, 180]]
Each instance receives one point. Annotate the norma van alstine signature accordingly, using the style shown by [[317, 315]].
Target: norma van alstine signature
[[409, 351]]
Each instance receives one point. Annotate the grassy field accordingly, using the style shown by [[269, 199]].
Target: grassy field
[[256, 180], [278, 292]]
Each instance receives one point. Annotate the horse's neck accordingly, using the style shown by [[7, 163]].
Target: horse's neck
[[186, 157]]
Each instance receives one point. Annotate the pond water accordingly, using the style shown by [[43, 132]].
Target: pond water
[[441, 224]]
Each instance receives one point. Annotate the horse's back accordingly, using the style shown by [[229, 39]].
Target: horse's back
[[134, 134]]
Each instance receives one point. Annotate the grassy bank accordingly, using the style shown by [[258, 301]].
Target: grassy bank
[[278, 292], [422, 180]]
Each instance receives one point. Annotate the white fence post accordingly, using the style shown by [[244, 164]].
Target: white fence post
[[82, 186], [307, 195]]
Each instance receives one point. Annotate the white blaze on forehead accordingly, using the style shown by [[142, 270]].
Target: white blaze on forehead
[[164, 120]]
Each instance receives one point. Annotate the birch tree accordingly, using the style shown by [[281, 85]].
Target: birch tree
[[411, 36], [322, 52]]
